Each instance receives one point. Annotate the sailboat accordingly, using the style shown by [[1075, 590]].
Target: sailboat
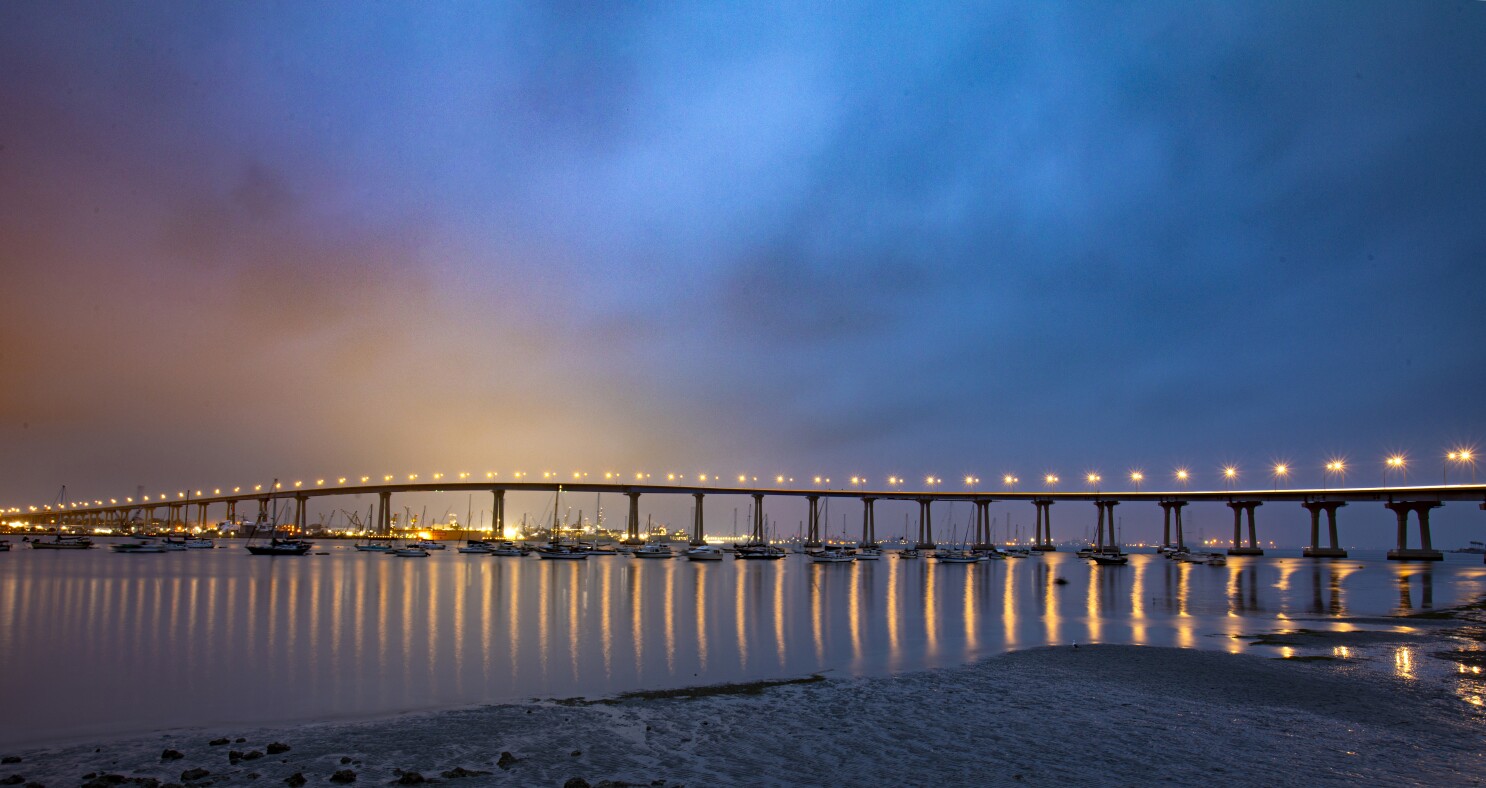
[[830, 554], [277, 546], [557, 549], [63, 542], [758, 548]]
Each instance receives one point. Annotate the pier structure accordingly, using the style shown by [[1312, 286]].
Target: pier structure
[[758, 536], [1406, 502], [983, 539], [1167, 509], [1043, 541], [632, 523], [697, 537], [812, 533], [1425, 551], [1106, 516], [925, 524], [1315, 550], [1239, 509]]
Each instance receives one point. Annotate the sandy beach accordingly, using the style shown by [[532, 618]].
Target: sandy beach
[[1100, 714]]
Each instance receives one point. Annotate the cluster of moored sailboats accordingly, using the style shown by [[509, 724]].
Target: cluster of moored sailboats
[[1181, 554]]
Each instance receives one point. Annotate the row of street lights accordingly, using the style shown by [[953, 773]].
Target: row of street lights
[[1393, 464]]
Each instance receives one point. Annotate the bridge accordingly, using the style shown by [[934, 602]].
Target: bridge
[[1409, 504]]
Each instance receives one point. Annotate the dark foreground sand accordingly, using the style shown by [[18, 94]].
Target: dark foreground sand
[[1095, 715]]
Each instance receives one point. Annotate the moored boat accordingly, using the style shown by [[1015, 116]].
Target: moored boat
[[706, 552], [869, 553], [410, 551], [476, 547], [832, 556], [376, 544], [141, 545], [1110, 558], [759, 552], [566, 552], [909, 553], [276, 546], [956, 556], [507, 548], [61, 542], [655, 550]]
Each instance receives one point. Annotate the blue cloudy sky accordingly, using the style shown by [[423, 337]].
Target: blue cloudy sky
[[248, 240]]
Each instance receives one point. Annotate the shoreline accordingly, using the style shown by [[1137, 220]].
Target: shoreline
[[1049, 715]]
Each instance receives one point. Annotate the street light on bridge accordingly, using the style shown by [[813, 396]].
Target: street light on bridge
[[1230, 475], [1281, 471], [1183, 475], [1093, 479], [1337, 467], [1396, 462], [1137, 477], [1010, 481], [1463, 456], [1051, 480]]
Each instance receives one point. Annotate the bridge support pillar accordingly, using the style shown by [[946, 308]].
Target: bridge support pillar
[[1315, 550], [299, 513], [759, 537], [1106, 520], [632, 524], [1043, 542], [232, 511], [982, 525], [697, 537], [925, 524], [498, 513], [1239, 508], [812, 527], [869, 523], [1403, 552], [1167, 508], [383, 524], [201, 516]]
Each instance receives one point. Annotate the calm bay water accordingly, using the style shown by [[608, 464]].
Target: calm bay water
[[100, 643]]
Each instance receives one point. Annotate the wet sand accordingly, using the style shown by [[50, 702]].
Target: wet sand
[[1103, 714]]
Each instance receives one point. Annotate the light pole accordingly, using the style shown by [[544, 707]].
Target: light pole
[[1182, 475], [1396, 462], [1093, 479], [1464, 457], [1339, 468], [1230, 475], [1010, 481], [1281, 471], [1051, 480], [1137, 477]]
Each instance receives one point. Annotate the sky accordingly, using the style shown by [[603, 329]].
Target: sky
[[246, 241]]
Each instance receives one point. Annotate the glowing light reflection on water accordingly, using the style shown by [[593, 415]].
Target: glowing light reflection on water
[[245, 639]]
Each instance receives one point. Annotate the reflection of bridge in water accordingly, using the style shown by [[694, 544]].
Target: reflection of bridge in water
[[1407, 503]]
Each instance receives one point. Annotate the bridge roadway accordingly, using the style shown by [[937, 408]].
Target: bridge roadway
[[1403, 501]]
